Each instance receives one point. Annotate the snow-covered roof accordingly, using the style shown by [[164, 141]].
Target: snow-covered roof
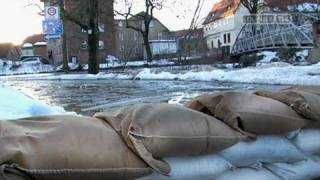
[[27, 45], [40, 44]]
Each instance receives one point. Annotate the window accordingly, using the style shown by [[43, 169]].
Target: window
[[101, 27], [136, 50], [229, 38], [121, 36], [84, 45], [101, 45], [151, 24], [120, 24], [121, 48], [225, 38], [211, 44], [135, 36]]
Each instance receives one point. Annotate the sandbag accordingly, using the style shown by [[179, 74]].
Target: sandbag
[[67, 147], [248, 174], [155, 131], [204, 167], [304, 103], [266, 149], [304, 170], [310, 89], [205, 103], [308, 140], [257, 115]]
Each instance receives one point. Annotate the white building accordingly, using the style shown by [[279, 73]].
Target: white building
[[160, 47], [223, 23]]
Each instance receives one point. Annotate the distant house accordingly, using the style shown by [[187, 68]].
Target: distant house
[[9, 51], [129, 43], [225, 20], [190, 42], [163, 48], [223, 23], [34, 45]]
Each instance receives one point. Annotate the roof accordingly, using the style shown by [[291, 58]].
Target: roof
[[5, 49], [196, 33], [222, 9], [27, 45], [140, 16], [34, 39]]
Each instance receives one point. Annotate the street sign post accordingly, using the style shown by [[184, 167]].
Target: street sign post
[[52, 13], [52, 25]]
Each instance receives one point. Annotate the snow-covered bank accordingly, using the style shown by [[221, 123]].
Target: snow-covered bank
[[12, 68], [274, 73], [18, 67], [271, 73], [14, 104]]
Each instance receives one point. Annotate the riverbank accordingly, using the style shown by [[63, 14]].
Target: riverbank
[[278, 73]]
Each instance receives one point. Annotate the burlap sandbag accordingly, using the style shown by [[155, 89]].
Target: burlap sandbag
[[304, 103], [205, 103], [310, 89], [256, 115], [68, 148], [156, 131]]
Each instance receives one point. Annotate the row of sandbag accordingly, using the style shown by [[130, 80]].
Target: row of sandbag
[[294, 156], [124, 144], [157, 131]]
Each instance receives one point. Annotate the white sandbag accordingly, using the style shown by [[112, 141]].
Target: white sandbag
[[303, 170], [203, 167], [266, 149], [248, 174], [308, 141]]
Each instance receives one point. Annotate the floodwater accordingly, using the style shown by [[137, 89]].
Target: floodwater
[[89, 96]]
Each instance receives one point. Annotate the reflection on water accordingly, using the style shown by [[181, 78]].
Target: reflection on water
[[89, 96]]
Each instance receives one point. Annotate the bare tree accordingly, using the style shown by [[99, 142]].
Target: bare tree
[[251, 5], [141, 22]]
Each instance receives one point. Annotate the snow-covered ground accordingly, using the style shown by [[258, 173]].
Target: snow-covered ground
[[270, 73], [14, 104], [16, 68], [266, 71], [12, 68]]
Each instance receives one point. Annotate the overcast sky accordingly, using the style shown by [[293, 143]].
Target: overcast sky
[[18, 20]]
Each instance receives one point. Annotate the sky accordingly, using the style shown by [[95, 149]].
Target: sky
[[19, 19]]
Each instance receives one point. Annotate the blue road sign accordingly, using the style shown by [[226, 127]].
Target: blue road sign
[[52, 27], [52, 37]]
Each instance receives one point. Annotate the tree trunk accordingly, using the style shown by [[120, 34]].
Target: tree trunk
[[93, 37], [65, 66], [147, 47]]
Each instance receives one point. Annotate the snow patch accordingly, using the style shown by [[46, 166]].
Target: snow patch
[[268, 56], [14, 105]]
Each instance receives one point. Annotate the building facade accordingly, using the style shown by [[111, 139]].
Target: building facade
[[223, 23], [129, 43], [76, 37]]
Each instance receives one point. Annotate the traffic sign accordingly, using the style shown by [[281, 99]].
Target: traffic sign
[[52, 27], [50, 37], [52, 13]]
